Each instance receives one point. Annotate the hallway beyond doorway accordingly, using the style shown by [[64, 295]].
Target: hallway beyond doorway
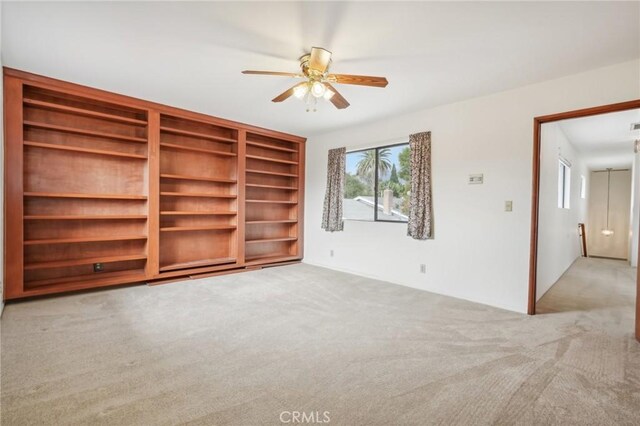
[[601, 291]]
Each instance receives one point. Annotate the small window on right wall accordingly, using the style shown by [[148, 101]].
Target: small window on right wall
[[583, 187], [564, 184]]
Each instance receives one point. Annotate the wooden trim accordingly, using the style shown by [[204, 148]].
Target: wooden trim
[[535, 196], [241, 177], [80, 90], [301, 183], [13, 188], [153, 166]]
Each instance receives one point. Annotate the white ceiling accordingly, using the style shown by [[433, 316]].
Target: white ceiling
[[604, 140], [190, 54]]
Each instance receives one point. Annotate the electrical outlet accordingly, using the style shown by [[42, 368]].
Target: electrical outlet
[[423, 268], [331, 252], [98, 267]]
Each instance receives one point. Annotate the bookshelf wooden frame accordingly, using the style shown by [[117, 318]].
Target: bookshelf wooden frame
[[139, 190]]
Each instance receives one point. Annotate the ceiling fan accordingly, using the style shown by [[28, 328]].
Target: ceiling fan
[[317, 84]]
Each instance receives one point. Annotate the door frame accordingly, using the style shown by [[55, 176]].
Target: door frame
[[535, 198]]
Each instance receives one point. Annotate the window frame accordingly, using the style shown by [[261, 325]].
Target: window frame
[[564, 184], [376, 182]]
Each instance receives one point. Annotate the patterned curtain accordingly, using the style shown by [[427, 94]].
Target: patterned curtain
[[332, 211], [420, 206]]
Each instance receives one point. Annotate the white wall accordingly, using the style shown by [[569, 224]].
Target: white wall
[[558, 241], [479, 252]]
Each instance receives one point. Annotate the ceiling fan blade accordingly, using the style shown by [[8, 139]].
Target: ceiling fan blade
[[319, 59], [337, 99], [360, 80], [281, 74], [287, 93]]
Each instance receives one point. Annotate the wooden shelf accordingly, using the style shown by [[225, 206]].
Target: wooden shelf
[[271, 240], [84, 132], [86, 217], [284, 257], [197, 135], [198, 228], [202, 150], [256, 222], [98, 279], [276, 148], [197, 264], [195, 213], [87, 196], [197, 194], [272, 201], [84, 240], [197, 178], [84, 112], [288, 188], [266, 172], [273, 160], [84, 150], [86, 261]]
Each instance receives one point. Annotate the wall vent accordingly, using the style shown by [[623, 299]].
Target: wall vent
[[635, 126]]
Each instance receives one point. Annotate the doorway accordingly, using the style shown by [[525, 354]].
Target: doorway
[[562, 198]]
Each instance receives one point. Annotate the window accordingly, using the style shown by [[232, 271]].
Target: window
[[583, 187], [377, 183], [564, 184]]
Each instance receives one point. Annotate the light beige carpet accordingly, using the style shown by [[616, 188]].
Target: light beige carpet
[[242, 349]]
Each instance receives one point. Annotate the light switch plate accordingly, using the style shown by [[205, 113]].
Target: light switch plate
[[476, 179], [508, 206]]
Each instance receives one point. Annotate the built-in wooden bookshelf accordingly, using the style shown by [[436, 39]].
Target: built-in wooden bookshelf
[[273, 186], [103, 189]]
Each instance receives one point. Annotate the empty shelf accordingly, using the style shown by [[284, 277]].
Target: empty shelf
[[84, 239], [89, 196], [84, 281], [272, 201], [197, 263], [198, 228], [273, 160], [264, 145], [256, 222], [84, 150], [196, 212], [84, 132], [283, 257], [197, 178], [271, 240], [255, 185], [267, 172], [86, 217], [197, 194], [197, 135], [195, 149], [86, 261], [84, 112]]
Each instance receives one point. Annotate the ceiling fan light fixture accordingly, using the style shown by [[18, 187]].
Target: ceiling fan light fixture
[[300, 91], [318, 89]]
